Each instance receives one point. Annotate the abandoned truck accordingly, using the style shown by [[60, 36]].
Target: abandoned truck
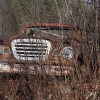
[[42, 47]]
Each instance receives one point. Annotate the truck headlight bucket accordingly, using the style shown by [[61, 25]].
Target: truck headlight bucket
[[1, 49], [68, 52], [4, 50]]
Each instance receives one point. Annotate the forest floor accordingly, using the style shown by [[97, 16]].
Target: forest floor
[[48, 88]]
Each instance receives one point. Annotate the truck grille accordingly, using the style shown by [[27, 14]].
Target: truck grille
[[30, 49]]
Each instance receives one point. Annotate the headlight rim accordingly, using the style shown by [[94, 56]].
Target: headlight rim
[[70, 55], [4, 48], [1, 49]]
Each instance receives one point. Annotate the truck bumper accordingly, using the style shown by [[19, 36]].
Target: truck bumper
[[33, 69]]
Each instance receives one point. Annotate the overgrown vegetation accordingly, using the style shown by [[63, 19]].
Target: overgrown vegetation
[[84, 82]]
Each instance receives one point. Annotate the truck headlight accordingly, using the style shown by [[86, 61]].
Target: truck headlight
[[67, 52], [1, 49], [6, 50]]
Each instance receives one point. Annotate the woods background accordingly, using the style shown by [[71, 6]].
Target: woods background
[[16, 13]]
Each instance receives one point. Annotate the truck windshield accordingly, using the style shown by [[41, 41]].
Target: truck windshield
[[68, 33]]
